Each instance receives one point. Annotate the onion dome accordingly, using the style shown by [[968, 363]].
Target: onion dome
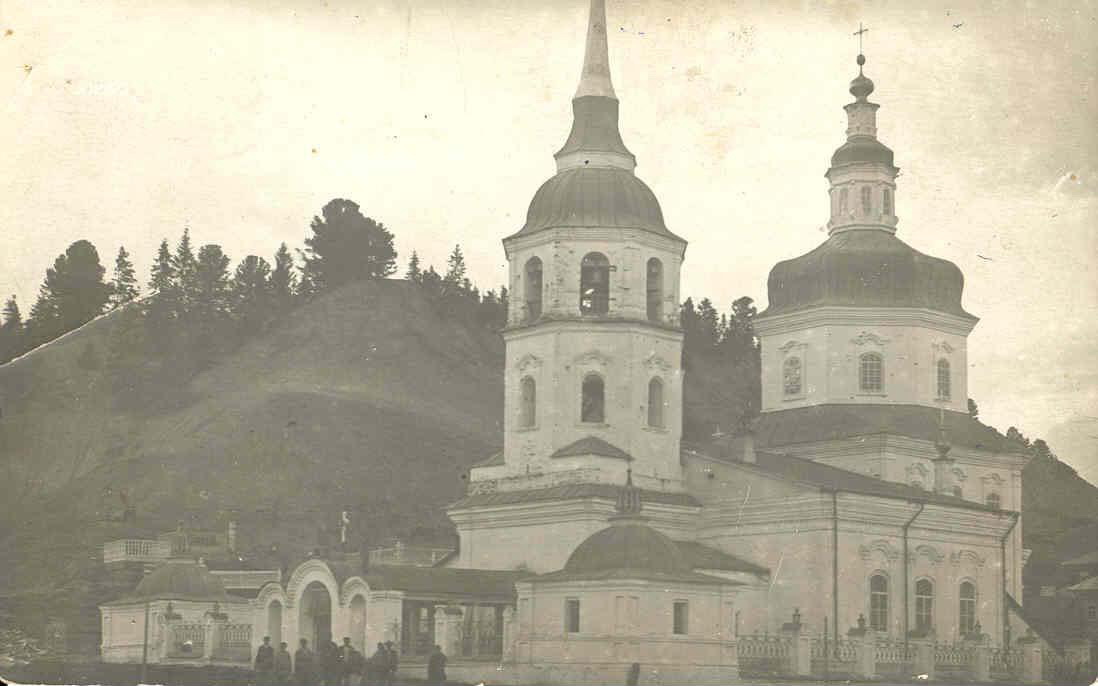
[[861, 86], [176, 580], [627, 546], [865, 268]]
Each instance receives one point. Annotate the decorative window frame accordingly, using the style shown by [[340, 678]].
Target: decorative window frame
[[935, 597], [942, 350], [791, 349], [519, 424], [917, 471], [584, 374], [870, 342]]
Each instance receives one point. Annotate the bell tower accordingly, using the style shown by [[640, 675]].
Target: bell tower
[[593, 383]]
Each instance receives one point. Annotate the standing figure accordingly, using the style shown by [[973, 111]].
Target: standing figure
[[283, 665], [264, 662], [377, 664], [392, 661], [332, 671], [304, 664], [436, 667], [345, 667]]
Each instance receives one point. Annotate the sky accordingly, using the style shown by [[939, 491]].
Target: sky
[[125, 121]]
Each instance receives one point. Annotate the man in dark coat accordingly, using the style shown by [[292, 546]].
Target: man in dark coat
[[283, 666], [377, 664], [346, 669], [392, 661], [332, 666], [264, 662], [304, 664], [436, 667]]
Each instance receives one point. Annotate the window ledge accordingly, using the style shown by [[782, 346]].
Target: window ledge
[[592, 425], [526, 429], [656, 429], [872, 394], [793, 398]]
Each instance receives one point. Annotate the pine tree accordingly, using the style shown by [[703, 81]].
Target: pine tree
[[211, 283], [455, 269], [708, 324], [347, 246], [124, 285], [162, 281], [283, 280], [414, 273], [253, 292], [11, 331], [72, 294], [739, 339], [186, 268]]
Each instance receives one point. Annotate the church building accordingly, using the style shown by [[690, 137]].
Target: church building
[[864, 495]]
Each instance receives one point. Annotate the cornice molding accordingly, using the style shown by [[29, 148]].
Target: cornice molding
[[594, 234], [864, 316]]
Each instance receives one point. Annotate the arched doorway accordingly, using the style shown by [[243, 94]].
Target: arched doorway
[[358, 623], [274, 622], [315, 622]]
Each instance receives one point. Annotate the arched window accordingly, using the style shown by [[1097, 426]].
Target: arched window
[[867, 200], [595, 284], [887, 208], [533, 289], [924, 605], [654, 290], [993, 500], [878, 602], [870, 377], [593, 409], [655, 403], [791, 376], [967, 610], [529, 416], [843, 195], [944, 389]]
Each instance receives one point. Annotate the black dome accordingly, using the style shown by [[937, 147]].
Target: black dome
[[862, 149], [595, 197], [627, 546], [863, 268]]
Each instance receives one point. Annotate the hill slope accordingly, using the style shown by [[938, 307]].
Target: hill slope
[[367, 398]]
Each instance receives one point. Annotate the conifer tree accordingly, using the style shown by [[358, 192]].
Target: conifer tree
[[162, 280], [253, 292], [346, 246], [72, 294], [211, 283], [11, 331], [283, 280], [455, 269], [186, 268], [708, 324], [124, 284], [414, 273]]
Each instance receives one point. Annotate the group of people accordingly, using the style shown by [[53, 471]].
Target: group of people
[[330, 665]]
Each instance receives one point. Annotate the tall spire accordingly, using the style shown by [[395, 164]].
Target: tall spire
[[595, 77], [595, 141]]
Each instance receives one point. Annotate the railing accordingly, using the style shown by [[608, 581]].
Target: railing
[[236, 643], [188, 640], [1005, 662], [135, 550], [763, 654], [891, 652], [953, 655]]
